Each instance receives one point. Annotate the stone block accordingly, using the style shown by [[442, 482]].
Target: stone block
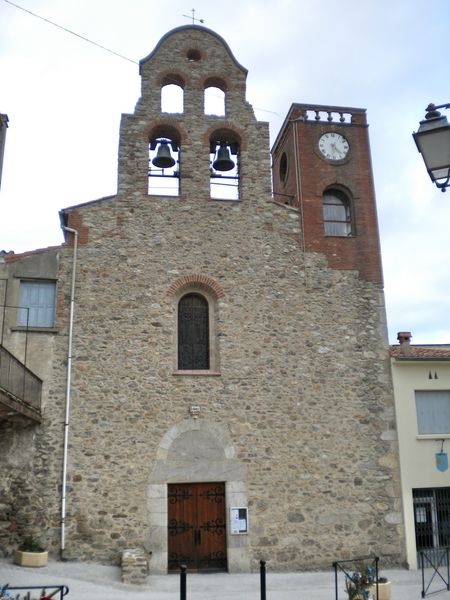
[[134, 566]]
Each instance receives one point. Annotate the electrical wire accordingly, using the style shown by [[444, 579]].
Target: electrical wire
[[71, 32], [82, 37]]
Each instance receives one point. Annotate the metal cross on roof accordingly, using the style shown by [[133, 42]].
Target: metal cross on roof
[[193, 17]]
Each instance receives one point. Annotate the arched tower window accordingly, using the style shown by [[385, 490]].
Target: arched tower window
[[214, 102], [283, 167], [164, 162], [224, 165], [193, 333], [214, 97], [172, 94], [336, 213]]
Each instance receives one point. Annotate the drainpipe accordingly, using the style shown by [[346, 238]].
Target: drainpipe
[[68, 390]]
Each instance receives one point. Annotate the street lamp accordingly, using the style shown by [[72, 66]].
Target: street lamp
[[433, 142]]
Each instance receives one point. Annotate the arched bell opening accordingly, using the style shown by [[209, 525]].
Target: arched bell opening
[[215, 97], [172, 94], [164, 162], [224, 165]]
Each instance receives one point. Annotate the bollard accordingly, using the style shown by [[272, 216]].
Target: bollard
[[183, 582], [262, 578]]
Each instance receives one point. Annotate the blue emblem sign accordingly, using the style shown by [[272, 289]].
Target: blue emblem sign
[[442, 461]]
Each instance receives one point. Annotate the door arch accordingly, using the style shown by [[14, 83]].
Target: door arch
[[195, 451]]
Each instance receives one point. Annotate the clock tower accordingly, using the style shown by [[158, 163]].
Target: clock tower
[[322, 169]]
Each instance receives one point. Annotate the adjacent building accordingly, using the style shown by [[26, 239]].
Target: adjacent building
[[421, 376], [3, 128], [204, 364]]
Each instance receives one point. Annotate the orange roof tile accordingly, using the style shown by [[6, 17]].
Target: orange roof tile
[[415, 352]]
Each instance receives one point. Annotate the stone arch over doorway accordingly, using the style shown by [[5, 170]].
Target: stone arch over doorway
[[195, 451]]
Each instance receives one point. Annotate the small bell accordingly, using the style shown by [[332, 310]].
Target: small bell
[[163, 158], [223, 161]]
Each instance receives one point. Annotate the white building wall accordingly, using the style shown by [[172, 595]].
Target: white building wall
[[417, 452]]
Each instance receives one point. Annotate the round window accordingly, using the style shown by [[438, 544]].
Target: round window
[[193, 55]]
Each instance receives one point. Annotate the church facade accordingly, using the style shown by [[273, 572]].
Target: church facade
[[213, 358]]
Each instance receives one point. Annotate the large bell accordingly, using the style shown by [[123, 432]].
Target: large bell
[[163, 158], [223, 161]]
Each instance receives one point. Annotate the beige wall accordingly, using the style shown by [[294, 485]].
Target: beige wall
[[417, 452], [31, 458]]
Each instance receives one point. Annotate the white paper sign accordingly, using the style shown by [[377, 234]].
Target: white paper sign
[[238, 521]]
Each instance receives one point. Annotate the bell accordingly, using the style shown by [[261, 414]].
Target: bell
[[223, 161], [163, 158]]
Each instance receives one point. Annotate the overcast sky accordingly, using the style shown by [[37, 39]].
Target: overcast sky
[[64, 98]]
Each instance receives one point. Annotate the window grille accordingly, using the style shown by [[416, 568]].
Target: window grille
[[432, 518], [193, 333]]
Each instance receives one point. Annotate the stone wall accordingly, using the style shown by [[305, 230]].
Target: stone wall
[[304, 388]]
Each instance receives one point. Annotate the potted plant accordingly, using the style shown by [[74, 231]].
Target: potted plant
[[30, 554], [362, 584], [384, 589]]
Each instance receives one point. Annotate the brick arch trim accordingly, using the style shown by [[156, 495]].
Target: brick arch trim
[[224, 128], [196, 280], [172, 78], [218, 82], [165, 127]]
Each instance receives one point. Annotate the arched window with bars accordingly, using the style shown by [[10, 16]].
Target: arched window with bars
[[193, 333]]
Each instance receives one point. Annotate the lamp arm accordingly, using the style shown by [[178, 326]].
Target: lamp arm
[[432, 106], [432, 111]]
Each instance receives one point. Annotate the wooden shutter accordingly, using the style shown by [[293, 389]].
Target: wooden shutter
[[39, 298]]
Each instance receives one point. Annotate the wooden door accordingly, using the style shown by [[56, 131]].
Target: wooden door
[[197, 526]]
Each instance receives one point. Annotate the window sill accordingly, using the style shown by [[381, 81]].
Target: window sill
[[203, 373], [433, 436], [285, 205], [31, 329], [225, 199], [341, 237]]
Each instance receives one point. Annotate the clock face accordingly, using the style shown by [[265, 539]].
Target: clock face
[[333, 146]]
